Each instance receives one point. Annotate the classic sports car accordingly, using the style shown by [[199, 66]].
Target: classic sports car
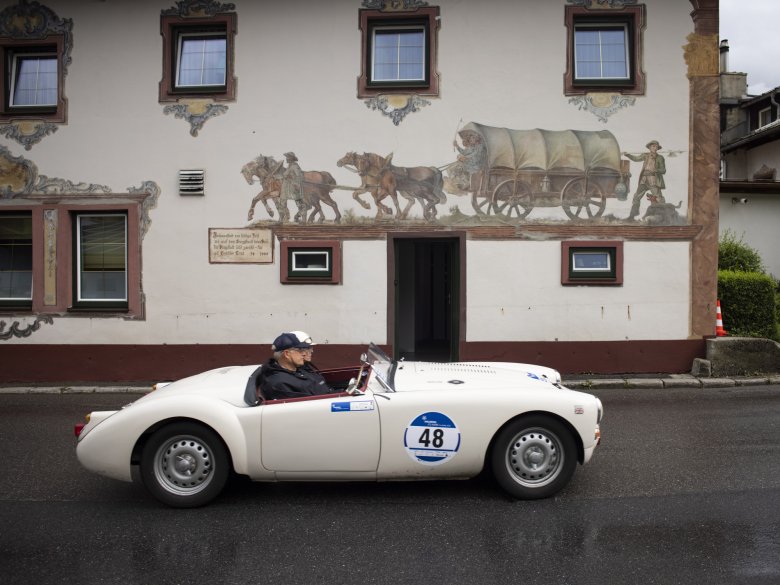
[[389, 420]]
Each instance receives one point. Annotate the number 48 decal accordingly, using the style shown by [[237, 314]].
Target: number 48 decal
[[437, 441], [432, 438]]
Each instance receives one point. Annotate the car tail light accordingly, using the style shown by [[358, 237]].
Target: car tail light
[[80, 426]]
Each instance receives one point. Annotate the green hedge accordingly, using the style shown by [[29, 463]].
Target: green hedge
[[747, 301]]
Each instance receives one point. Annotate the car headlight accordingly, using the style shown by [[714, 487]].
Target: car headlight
[[600, 409]]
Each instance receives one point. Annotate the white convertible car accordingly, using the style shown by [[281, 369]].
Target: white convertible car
[[389, 421]]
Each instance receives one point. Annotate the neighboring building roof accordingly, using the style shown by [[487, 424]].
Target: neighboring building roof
[[756, 137], [739, 186]]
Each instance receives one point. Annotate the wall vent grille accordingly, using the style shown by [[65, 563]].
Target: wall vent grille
[[192, 182]]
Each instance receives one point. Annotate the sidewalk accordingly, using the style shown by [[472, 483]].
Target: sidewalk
[[665, 381], [580, 382]]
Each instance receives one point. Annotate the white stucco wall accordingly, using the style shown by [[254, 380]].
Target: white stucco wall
[[755, 223], [501, 63], [525, 300]]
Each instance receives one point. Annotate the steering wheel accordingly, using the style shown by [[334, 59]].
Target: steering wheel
[[353, 388]]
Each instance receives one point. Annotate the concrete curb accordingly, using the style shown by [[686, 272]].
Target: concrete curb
[[75, 389], [673, 381]]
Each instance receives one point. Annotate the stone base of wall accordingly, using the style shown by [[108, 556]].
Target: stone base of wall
[[74, 364], [743, 356]]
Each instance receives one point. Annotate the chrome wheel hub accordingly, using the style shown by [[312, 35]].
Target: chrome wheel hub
[[183, 465], [534, 457]]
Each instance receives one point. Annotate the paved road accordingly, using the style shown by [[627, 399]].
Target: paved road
[[684, 489]]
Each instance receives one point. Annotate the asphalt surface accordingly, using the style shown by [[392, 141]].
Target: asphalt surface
[[685, 489]]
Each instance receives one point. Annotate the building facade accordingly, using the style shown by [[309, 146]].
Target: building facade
[[750, 147], [507, 181]]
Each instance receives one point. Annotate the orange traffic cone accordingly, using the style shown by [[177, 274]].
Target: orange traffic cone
[[719, 330]]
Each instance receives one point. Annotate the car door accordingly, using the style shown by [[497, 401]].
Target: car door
[[322, 435]]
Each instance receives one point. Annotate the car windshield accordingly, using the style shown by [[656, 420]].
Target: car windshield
[[382, 365]]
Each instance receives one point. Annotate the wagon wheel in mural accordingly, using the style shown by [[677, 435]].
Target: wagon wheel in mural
[[481, 202], [512, 199], [583, 197]]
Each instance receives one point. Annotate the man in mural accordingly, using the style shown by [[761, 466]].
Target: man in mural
[[286, 374], [467, 172], [292, 186], [651, 179]]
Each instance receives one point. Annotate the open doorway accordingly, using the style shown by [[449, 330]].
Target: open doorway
[[427, 298]]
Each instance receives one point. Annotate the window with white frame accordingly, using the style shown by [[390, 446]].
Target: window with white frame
[[16, 259], [310, 262], [595, 262], [34, 80], [764, 117], [198, 57], [601, 52], [399, 52], [101, 258], [201, 60], [604, 50]]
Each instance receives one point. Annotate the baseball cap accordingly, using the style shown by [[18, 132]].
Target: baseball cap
[[289, 341], [304, 337]]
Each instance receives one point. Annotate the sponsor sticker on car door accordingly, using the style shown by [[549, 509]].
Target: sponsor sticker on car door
[[432, 438]]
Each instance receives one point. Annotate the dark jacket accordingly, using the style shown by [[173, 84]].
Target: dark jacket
[[278, 382]]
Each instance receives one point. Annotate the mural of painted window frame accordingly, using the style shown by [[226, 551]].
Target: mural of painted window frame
[[56, 260], [629, 22], [294, 268], [179, 32], [15, 54], [601, 263], [401, 24], [16, 260], [100, 267]]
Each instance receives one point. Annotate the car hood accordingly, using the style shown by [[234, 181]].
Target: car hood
[[482, 375], [228, 384]]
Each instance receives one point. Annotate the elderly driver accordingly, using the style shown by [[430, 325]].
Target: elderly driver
[[286, 374]]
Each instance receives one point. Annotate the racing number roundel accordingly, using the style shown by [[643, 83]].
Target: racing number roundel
[[432, 438]]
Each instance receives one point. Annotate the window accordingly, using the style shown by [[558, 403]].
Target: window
[[764, 117], [311, 262], [596, 262], [601, 52], [100, 260], [198, 57], [604, 50], [399, 52], [16, 260], [73, 257], [32, 80], [201, 60]]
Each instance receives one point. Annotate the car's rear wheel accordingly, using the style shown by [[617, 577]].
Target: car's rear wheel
[[184, 465], [534, 457]]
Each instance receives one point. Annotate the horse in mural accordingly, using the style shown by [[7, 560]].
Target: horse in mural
[[317, 187], [382, 179]]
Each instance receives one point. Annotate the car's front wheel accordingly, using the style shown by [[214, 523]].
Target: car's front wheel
[[184, 465], [534, 457]]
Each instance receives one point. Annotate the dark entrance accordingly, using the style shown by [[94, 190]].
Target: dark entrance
[[427, 298]]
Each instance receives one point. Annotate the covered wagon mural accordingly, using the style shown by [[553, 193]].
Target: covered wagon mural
[[499, 176]]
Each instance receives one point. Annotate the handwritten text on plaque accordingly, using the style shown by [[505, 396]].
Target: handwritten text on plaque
[[237, 246]]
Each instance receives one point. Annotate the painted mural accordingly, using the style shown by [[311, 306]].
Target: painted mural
[[499, 176]]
